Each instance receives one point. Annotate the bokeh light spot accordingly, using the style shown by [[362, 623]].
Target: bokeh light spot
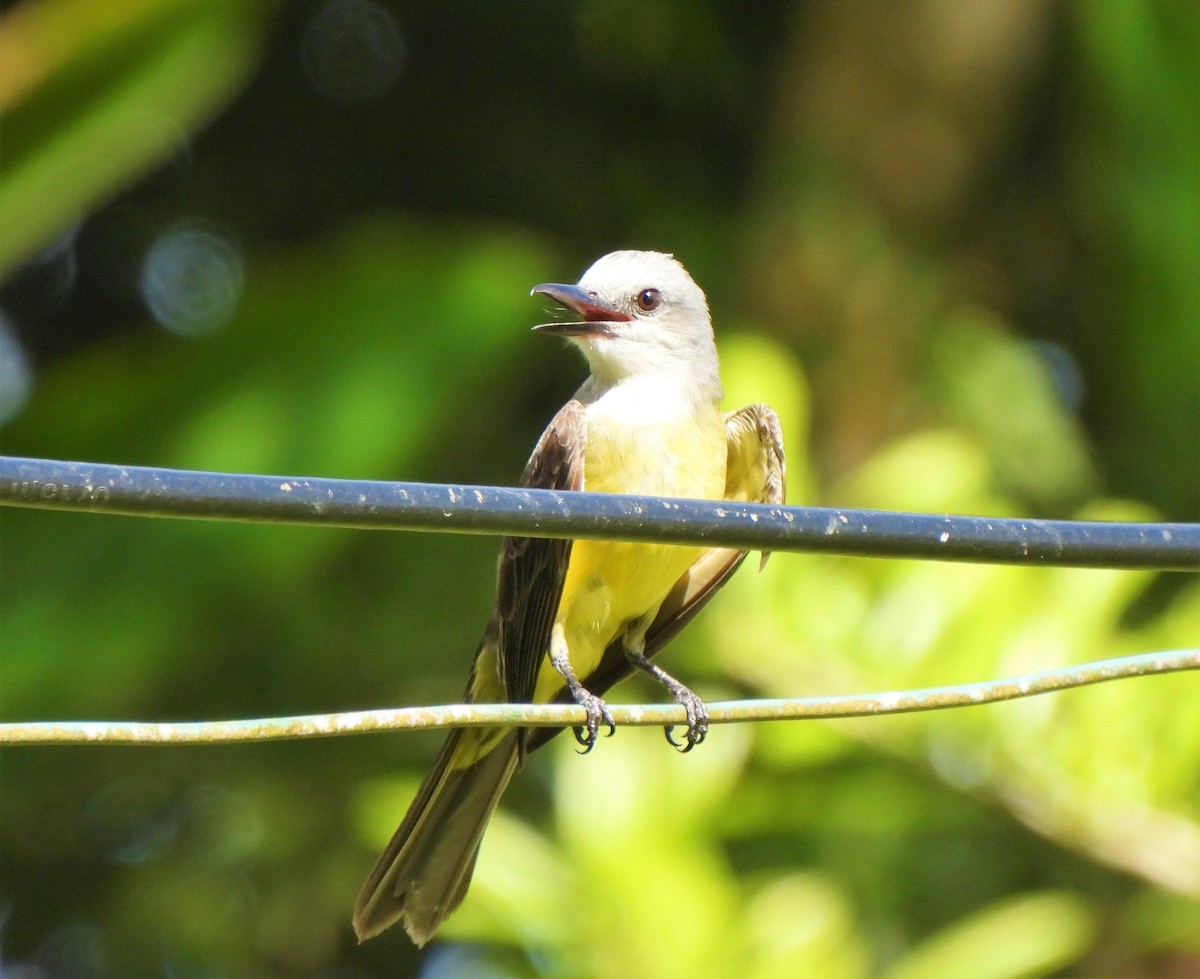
[[352, 50], [16, 376], [1064, 371], [192, 280], [132, 821]]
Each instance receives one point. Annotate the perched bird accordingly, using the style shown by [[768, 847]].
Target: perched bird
[[574, 617]]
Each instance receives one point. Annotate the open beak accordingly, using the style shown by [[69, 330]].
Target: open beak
[[598, 318]]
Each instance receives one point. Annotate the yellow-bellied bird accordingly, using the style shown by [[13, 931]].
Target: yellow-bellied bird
[[574, 617]]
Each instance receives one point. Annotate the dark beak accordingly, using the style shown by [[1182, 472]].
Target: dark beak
[[597, 317]]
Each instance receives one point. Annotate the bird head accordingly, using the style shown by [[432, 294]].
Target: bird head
[[641, 314]]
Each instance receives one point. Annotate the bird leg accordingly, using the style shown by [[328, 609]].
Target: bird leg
[[697, 710], [597, 710]]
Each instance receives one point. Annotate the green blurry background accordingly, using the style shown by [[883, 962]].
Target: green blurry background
[[955, 245]]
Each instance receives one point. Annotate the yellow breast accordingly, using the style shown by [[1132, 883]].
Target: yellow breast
[[609, 584]]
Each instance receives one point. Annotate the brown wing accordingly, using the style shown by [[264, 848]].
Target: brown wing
[[532, 570], [756, 472]]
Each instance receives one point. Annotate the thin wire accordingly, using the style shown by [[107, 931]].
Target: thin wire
[[135, 491], [558, 715]]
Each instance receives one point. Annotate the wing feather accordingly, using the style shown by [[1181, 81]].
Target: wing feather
[[755, 472], [532, 570]]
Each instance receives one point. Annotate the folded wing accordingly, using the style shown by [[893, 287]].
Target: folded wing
[[756, 472]]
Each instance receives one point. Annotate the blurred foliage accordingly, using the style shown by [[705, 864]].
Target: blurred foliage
[[953, 244], [94, 95]]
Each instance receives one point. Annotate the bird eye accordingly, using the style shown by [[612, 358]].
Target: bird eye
[[648, 300]]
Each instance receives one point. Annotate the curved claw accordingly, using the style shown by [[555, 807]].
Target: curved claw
[[586, 737], [597, 712], [694, 737], [697, 722]]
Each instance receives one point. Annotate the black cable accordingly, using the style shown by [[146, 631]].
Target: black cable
[[140, 491]]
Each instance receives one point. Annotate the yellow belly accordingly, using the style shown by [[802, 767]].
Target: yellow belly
[[611, 584]]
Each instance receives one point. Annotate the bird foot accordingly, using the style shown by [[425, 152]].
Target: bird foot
[[597, 710], [696, 709], [697, 720], [597, 714]]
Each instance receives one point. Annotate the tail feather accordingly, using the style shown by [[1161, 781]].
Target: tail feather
[[424, 872]]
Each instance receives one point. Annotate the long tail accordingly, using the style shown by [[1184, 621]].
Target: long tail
[[424, 872]]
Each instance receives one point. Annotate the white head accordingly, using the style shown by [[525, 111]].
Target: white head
[[643, 316]]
